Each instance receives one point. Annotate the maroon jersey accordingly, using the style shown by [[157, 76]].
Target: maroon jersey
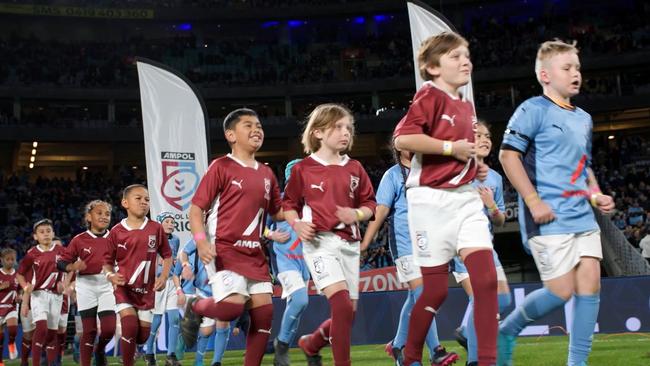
[[8, 294], [43, 264], [316, 188], [88, 247], [238, 198], [133, 251], [437, 114]]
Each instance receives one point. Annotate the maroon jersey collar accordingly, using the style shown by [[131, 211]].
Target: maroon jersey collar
[[38, 247], [123, 222], [242, 163], [92, 235], [344, 160]]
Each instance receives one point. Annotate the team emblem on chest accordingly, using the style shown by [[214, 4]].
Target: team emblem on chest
[[267, 189], [354, 184], [152, 241]]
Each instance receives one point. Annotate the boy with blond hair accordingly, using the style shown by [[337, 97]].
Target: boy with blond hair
[[445, 212], [546, 154]]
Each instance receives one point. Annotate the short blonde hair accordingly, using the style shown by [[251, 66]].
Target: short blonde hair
[[322, 118], [434, 47], [549, 49]]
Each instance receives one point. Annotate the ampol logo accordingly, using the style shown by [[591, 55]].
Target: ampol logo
[[180, 178]]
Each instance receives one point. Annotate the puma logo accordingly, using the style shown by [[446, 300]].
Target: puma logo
[[268, 331], [87, 250], [37, 263], [319, 187], [89, 345], [127, 340], [238, 184], [122, 245], [445, 117], [558, 127]]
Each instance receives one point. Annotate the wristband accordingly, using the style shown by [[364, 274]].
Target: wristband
[[108, 275], [179, 291], [447, 148], [593, 195], [359, 213], [268, 232], [199, 236], [531, 198]]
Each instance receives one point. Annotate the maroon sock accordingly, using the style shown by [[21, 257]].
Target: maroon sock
[[87, 341], [26, 346], [483, 277], [107, 325], [13, 331], [52, 347], [61, 342], [143, 334], [433, 295], [258, 334], [128, 339], [38, 341], [319, 338], [225, 311], [341, 328]]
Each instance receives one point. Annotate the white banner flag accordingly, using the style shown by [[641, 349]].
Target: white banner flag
[[426, 22], [174, 119]]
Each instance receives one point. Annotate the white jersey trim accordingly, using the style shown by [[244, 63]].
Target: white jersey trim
[[242, 163], [123, 223], [344, 160], [92, 235]]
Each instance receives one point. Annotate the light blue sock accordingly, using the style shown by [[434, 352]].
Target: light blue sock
[[173, 319], [296, 305], [470, 334], [403, 327], [201, 346], [151, 341], [537, 304], [504, 301], [585, 314], [220, 343]]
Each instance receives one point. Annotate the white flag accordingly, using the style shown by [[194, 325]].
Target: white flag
[[174, 119], [426, 22]]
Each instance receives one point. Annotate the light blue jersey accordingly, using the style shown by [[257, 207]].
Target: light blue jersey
[[288, 256], [174, 243], [494, 181], [200, 280], [392, 194], [556, 147]]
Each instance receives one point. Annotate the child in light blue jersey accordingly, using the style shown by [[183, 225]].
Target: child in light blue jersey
[[391, 205], [166, 300], [491, 192], [292, 272], [546, 154]]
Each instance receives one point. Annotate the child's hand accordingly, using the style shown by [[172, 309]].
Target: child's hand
[[160, 283], [541, 212], [463, 150], [207, 252], [305, 230], [4, 285], [187, 273], [116, 279], [280, 236], [346, 215], [605, 203], [482, 171], [487, 196], [79, 265]]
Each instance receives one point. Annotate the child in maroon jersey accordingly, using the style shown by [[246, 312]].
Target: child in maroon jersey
[[333, 194], [239, 192], [43, 293], [85, 256], [8, 297], [445, 211], [133, 245]]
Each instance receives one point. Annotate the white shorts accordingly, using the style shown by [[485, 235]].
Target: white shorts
[[63, 320], [10, 315], [462, 276], [407, 270], [444, 221], [26, 321], [556, 255], [291, 282], [46, 305], [331, 259], [225, 283], [166, 299], [144, 315], [94, 291]]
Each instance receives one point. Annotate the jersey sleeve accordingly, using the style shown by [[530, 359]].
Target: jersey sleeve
[[387, 190], [70, 253], [25, 265], [275, 204], [498, 194], [522, 129], [366, 195], [111, 248], [163, 249], [418, 118], [190, 247], [209, 188], [293, 200]]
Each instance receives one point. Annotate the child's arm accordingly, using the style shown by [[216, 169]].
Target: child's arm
[[423, 144], [599, 200], [514, 169], [381, 212], [206, 252]]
